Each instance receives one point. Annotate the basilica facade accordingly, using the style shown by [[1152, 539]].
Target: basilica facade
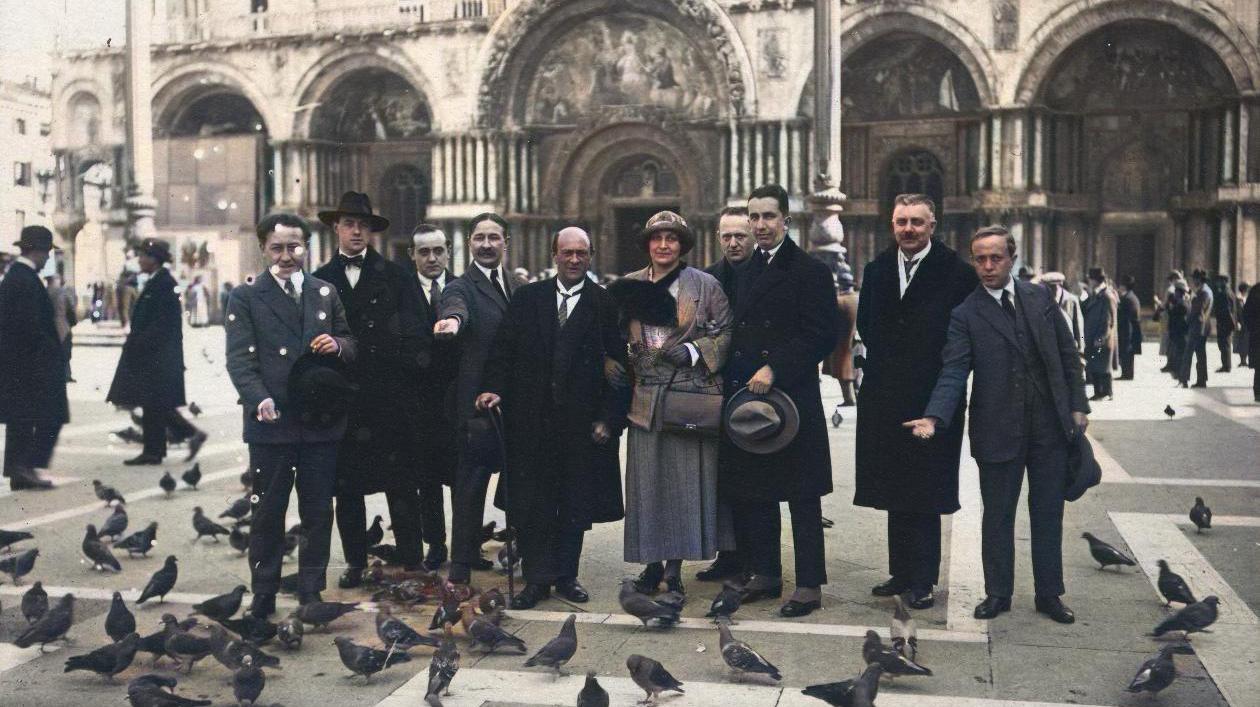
[[1115, 133]]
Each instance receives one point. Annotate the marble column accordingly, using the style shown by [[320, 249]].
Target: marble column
[[141, 204]]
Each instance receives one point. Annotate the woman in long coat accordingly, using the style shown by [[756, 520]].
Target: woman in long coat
[[839, 364], [677, 320]]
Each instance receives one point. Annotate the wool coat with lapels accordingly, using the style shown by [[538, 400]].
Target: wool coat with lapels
[[267, 332], [379, 451]]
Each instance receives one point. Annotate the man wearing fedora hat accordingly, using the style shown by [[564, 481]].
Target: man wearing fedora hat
[[150, 371], [378, 453], [785, 322], [33, 404], [270, 323], [1099, 311]]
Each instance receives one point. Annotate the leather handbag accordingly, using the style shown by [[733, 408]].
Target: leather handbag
[[691, 411]]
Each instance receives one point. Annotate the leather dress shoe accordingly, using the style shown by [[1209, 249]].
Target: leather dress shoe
[[675, 585], [530, 596], [920, 598], [720, 569], [572, 590], [351, 578], [1055, 609], [649, 580], [435, 558], [143, 460], [890, 588], [263, 605], [26, 479], [309, 598], [194, 445], [774, 591], [793, 608], [992, 606]]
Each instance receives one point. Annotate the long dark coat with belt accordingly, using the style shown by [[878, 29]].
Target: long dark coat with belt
[[1129, 324], [150, 370], [551, 380], [1099, 310], [435, 423], [785, 316], [904, 337], [379, 449], [32, 364]]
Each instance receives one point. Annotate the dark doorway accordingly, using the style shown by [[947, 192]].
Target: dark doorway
[[1135, 255], [404, 198], [913, 172], [627, 253]]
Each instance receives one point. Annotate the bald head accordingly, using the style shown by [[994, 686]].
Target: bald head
[[571, 250]]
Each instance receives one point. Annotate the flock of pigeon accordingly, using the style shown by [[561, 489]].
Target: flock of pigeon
[[237, 643]]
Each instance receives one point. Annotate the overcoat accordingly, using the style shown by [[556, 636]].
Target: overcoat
[[379, 450], [727, 275], [150, 369], [1099, 311], [434, 387], [839, 364], [1251, 322], [478, 305], [551, 381], [785, 317], [1129, 324], [32, 364], [904, 337]]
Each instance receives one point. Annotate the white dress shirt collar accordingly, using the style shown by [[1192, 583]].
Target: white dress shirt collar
[[27, 262], [486, 271], [773, 251], [348, 255], [904, 278], [426, 284], [570, 290], [296, 278], [997, 294]]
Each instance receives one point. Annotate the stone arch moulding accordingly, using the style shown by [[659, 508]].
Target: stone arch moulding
[[1061, 30], [62, 104], [174, 85], [324, 73], [500, 51]]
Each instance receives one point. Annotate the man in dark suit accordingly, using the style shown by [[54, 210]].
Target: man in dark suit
[[378, 453], [150, 371], [736, 240], [785, 322], [1099, 310], [1027, 407], [562, 418], [908, 292], [33, 404], [470, 311], [1199, 323], [1251, 324], [271, 323], [1225, 312], [1128, 327], [435, 431]]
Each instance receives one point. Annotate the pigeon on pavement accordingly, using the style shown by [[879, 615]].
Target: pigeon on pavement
[[742, 658], [194, 408], [1195, 617], [485, 632], [294, 538], [152, 680], [902, 629], [247, 479], [1156, 673], [836, 417], [1105, 554], [645, 608], [374, 532], [140, 541], [108, 660], [108, 494], [366, 661], [167, 483], [1168, 410], [12, 537], [394, 633], [184, 647], [290, 631], [97, 552], [558, 650], [491, 601], [448, 608], [442, 669], [592, 695], [1200, 515], [1173, 587], [146, 696], [725, 604], [34, 603], [651, 676], [248, 682], [388, 553], [230, 651], [238, 510], [114, 525], [890, 661], [19, 565], [119, 622], [239, 539], [52, 626], [223, 606], [192, 476], [162, 581], [322, 613], [205, 526], [251, 628], [855, 692]]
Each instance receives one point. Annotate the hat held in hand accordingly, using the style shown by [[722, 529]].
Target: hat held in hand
[[761, 424]]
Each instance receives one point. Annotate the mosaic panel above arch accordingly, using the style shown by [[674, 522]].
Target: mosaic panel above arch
[[371, 105]]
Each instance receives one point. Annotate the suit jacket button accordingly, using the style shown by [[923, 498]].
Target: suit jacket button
[[737, 354], [765, 354], [371, 324]]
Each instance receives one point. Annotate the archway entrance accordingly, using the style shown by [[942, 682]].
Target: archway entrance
[[635, 189]]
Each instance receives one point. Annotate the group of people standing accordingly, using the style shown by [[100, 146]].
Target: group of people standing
[[1203, 309]]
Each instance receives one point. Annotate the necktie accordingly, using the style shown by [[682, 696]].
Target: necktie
[[1007, 305], [765, 256], [351, 260], [434, 291], [494, 279], [562, 315], [910, 266], [291, 291]]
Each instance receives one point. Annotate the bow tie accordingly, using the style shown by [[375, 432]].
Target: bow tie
[[348, 260]]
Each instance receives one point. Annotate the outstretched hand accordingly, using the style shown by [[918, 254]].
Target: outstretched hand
[[924, 428]]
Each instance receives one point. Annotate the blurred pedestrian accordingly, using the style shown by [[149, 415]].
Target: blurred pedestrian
[[1099, 311], [64, 316], [1199, 324], [1069, 304], [839, 364], [1225, 312], [1161, 305], [1251, 320], [1128, 327], [1242, 340]]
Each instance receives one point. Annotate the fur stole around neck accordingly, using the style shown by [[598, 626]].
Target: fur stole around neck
[[649, 302]]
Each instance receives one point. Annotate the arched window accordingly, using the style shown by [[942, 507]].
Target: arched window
[[405, 198], [85, 120], [915, 172]]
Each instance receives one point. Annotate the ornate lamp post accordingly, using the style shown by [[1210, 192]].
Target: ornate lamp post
[[827, 201]]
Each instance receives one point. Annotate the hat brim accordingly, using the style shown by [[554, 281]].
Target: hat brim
[[769, 445], [376, 223], [36, 246]]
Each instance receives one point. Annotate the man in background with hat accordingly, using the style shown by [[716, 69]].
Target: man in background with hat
[[150, 371], [1128, 327], [284, 320], [378, 453], [33, 404], [469, 314], [1099, 311], [785, 322], [1069, 304], [1199, 324]]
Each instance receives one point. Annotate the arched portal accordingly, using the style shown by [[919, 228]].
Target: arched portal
[[404, 198], [912, 171]]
